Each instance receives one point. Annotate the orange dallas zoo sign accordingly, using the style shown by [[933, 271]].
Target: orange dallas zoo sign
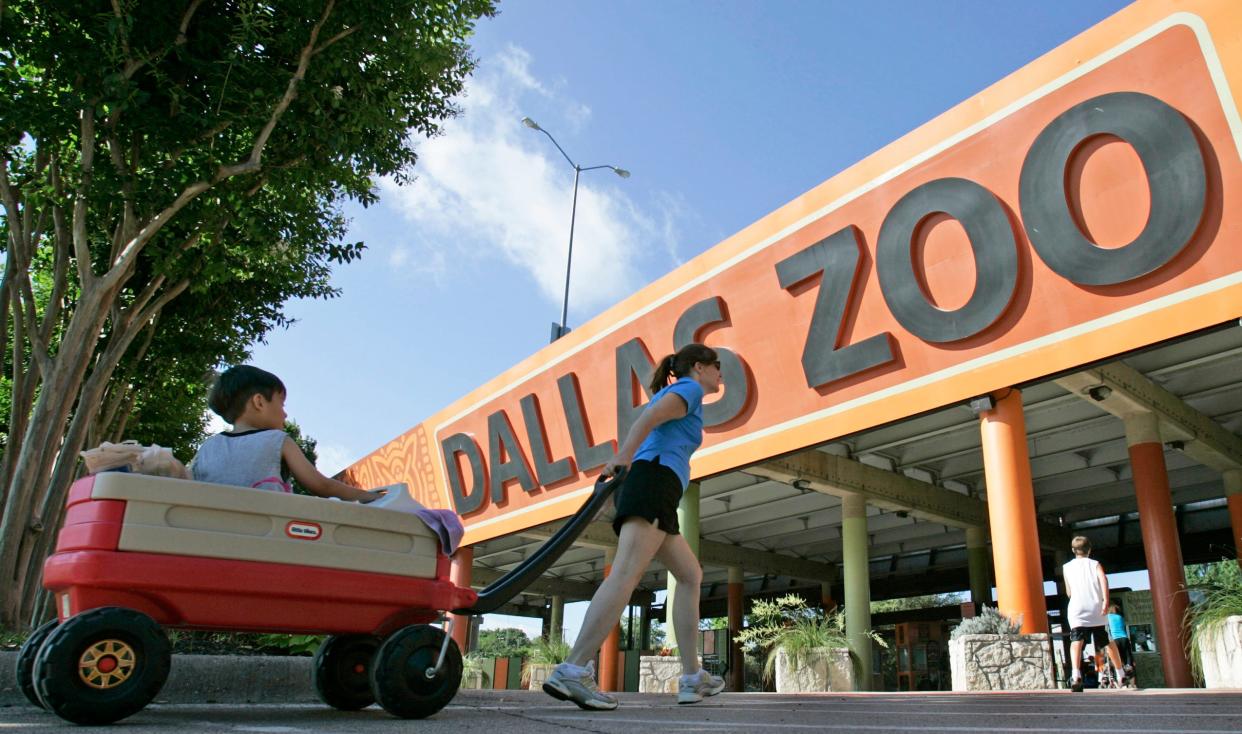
[[1085, 206]]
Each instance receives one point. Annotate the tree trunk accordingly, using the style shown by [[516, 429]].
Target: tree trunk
[[34, 448]]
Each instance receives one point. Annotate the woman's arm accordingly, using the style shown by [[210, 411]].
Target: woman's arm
[[310, 477], [670, 407]]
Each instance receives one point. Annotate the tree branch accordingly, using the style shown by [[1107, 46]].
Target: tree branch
[[81, 245], [250, 165], [185, 22], [343, 34]]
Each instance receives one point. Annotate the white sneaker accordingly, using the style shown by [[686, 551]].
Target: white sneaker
[[692, 688], [579, 688]]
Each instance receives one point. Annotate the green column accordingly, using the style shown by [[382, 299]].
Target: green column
[[688, 522], [977, 558], [857, 583], [557, 625]]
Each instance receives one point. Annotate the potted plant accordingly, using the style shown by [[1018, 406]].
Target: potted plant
[[989, 653], [1215, 628], [541, 658], [806, 650]]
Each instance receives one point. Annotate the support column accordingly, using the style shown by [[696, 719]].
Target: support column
[[1161, 544], [1233, 494], [556, 631], [644, 619], [610, 651], [462, 565], [688, 523], [857, 566], [1011, 513], [977, 561], [737, 605]]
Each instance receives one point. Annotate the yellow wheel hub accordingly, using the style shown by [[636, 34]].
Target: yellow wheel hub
[[106, 664]]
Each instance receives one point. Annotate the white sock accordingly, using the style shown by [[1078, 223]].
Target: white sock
[[1077, 675]]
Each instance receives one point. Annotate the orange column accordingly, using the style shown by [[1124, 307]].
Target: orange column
[[459, 574], [1160, 544], [1011, 513], [737, 671], [610, 652], [1233, 492]]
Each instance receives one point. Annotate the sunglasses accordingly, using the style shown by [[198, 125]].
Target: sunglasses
[[713, 363]]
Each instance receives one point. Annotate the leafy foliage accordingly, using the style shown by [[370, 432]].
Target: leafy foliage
[[987, 622], [926, 601], [547, 652], [172, 172], [503, 643], [1220, 585], [788, 623]]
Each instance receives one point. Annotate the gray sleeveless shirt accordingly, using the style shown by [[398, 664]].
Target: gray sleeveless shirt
[[249, 459]]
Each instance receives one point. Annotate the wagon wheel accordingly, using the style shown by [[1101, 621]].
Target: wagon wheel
[[102, 665], [399, 676], [26, 660], [342, 671]]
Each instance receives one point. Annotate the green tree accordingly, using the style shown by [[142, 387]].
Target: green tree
[[503, 643], [926, 601], [173, 167], [308, 445]]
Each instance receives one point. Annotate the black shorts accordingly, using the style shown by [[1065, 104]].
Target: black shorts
[[651, 491], [1097, 635]]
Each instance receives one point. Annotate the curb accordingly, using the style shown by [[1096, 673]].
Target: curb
[[209, 679]]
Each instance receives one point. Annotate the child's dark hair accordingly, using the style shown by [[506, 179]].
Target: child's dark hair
[[679, 364], [236, 385]]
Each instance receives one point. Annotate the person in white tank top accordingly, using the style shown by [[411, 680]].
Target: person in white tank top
[[253, 400], [1087, 611]]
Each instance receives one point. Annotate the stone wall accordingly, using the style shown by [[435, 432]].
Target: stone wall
[[658, 674], [1001, 663], [1221, 653], [822, 669]]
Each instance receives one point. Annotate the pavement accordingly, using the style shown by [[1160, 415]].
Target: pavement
[[522, 712], [279, 693]]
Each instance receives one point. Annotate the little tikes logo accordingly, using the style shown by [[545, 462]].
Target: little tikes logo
[[302, 530]]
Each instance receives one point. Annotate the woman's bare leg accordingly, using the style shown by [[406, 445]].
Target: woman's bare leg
[[680, 561], [635, 548]]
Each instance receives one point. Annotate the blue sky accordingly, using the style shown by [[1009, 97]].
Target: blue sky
[[723, 111]]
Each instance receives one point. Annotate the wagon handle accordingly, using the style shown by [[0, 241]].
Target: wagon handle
[[499, 592]]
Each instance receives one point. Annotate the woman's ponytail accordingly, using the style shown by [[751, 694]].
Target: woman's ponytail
[[663, 371], [679, 364]]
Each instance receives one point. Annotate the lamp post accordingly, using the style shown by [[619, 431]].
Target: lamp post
[[561, 329]]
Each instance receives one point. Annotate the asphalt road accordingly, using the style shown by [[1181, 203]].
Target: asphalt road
[[513, 712]]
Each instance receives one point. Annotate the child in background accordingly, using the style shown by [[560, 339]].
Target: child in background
[[1087, 587], [250, 455], [1117, 631]]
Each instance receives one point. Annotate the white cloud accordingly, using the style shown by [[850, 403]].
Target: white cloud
[[489, 187], [331, 458]]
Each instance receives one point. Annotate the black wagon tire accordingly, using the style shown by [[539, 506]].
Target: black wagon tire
[[399, 672], [26, 660], [102, 665], [342, 671]]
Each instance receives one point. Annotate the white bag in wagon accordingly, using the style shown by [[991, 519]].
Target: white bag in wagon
[[131, 456]]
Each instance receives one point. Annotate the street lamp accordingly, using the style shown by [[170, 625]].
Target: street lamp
[[561, 329]]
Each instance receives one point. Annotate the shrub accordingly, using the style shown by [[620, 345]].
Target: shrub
[[988, 622], [788, 624], [548, 652], [1222, 599]]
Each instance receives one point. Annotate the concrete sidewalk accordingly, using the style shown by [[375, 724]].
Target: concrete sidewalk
[[210, 679]]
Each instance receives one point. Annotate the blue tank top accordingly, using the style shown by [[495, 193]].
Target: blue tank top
[[1116, 627], [673, 441]]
